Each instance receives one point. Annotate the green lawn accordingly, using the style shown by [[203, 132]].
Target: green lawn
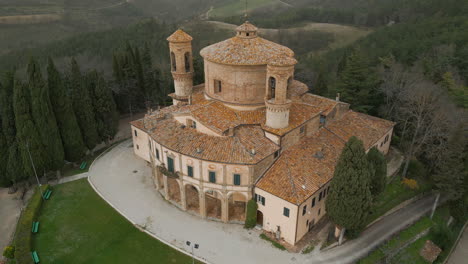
[[395, 193], [77, 226]]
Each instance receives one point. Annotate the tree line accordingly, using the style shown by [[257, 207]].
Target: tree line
[[52, 119]]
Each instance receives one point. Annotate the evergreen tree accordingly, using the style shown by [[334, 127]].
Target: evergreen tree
[[358, 83], [27, 133], [15, 170], [6, 107], [350, 199], [44, 117], [3, 157], [107, 117], [82, 105], [70, 133], [378, 171], [320, 86]]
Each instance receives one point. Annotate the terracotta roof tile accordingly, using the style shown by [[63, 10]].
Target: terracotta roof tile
[[304, 168], [247, 26], [179, 36], [367, 128], [326, 104]]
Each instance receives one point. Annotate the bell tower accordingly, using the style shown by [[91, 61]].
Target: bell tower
[[279, 76], [180, 47]]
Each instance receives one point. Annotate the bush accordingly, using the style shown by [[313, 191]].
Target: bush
[[410, 183], [251, 217], [458, 210], [23, 235], [441, 235], [416, 169], [273, 242], [9, 252]]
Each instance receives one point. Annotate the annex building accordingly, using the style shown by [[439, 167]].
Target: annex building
[[251, 131]]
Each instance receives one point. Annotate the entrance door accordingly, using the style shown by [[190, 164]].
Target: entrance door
[[259, 218]]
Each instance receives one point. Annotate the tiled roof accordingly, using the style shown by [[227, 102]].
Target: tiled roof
[[303, 169], [298, 114], [326, 104], [247, 27], [367, 128], [248, 51], [179, 36], [235, 149]]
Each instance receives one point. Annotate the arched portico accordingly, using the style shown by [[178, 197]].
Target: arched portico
[[192, 198], [237, 204], [173, 189], [214, 204]]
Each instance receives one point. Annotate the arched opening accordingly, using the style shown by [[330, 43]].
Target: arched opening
[[272, 86], [173, 189], [173, 62], [259, 218], [192, 198], [187, 61], [237, 207], [213, 204]]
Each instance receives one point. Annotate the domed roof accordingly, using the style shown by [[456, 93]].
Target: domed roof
[[248, 50], [179, 36]]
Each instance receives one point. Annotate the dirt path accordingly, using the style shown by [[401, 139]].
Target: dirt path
[[10, 208]]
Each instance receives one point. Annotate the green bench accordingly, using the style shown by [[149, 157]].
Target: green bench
[[35, 257], [83, 165], [47, 194], [35, 227]]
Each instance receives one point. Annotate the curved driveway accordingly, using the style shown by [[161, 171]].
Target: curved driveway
[[124, 181]]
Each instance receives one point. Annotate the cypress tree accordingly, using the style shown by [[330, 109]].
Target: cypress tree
[[27, 133], [378, 171], [350, 199], [320, 87], [44, 117], [15, 170], [83, 107], [70, 133], [358, 83], [107, 117], [6, 107]]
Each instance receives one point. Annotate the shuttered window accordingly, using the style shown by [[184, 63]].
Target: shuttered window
[[237, 179], [212, 176], [286, 212], [190, 171], [313, 202], [170, 164], [157, 154], [304, 210]]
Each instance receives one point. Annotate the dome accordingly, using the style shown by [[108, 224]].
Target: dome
[[246, 48], [179, 36]]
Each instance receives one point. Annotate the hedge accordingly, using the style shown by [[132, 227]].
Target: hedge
[[23, 235], [251, 218]]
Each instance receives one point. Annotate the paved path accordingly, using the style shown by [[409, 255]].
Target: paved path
[[10, 208], [460, 254], [133, 195]]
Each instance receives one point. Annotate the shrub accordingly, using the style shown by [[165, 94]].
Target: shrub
[[410, 183], [459, 210], [273, 242], [23, 235], [9, 252], [441, 235], [251, 217], [416, 169]]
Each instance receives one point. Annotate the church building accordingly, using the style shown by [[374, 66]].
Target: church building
[[251, 131]]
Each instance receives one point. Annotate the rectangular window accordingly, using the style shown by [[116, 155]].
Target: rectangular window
[[320, 196], [322, 119], [286, 212], [260, 199], [138, 147], [157, 154], [302, 129], [304, 210], [212, 176], [237, 179], [149, 143], [319, 212], [217, 86], [190, 171], [170, 164], [313, 202], [194, 124], [136, 133], [386, 139]]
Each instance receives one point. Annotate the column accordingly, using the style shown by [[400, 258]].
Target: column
[[201, 197], [166, 188], [225, 209], [183, 200]]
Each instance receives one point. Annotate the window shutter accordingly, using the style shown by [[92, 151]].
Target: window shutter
[[212, 175], [190, 171], [263, 200], [236, 179], [170, 164]]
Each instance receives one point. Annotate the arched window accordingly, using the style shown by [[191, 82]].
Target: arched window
[[173, 62], [187, 61], [289, 85], [272, 86]]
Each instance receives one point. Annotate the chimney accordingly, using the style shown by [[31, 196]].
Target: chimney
[[338, 97]]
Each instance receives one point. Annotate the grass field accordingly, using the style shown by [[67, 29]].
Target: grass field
[[237, 7], [77, 226]]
